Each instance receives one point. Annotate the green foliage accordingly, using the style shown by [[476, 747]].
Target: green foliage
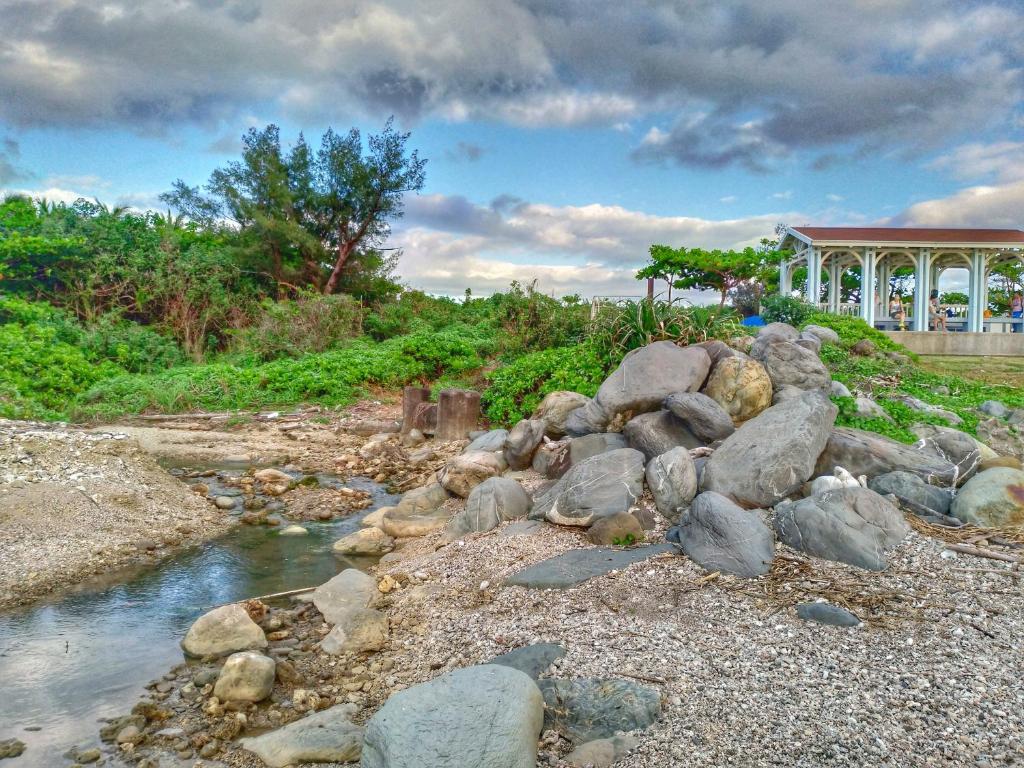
[[516, 388], [953, 297], [786, 309], [625, 541], [311, 322], [853, 329], [623, 327]]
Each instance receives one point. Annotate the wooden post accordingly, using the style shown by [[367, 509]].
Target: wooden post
[[411, 398], [425, 418], [458, 411]]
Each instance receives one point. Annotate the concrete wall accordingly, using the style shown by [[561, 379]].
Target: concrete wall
[[965, 344]]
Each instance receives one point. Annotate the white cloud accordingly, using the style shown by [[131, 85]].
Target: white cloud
[[786, 195], [1000, 206], [728, 199], [834, 198], [1002, 161]]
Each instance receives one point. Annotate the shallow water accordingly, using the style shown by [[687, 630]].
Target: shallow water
[[88, 655]]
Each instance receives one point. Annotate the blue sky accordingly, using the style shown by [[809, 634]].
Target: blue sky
[[563, 137]]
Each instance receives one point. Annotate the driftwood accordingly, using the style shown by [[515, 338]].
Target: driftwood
[[969, 549], [286, 593]]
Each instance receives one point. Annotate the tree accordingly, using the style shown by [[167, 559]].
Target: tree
[[314, 214], [717, 270]]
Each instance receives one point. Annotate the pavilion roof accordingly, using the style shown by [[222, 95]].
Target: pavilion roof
[[906, 235]]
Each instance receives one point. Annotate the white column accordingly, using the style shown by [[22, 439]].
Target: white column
[[884, 271], [867, 286], [834, 277], [814, 276], [785, 279], [976, 293], [922, 286]]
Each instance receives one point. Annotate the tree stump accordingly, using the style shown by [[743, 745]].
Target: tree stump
[[411, 399], [458, 411]]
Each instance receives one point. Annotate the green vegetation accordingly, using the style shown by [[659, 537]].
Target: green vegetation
[[786, 309]]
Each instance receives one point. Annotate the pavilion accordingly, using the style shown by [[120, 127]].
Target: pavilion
[[878, 251]]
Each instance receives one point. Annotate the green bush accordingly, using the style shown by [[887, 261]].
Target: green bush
[[311, 322], [853, 329], [516, 388], [624, 327], [786, 309]]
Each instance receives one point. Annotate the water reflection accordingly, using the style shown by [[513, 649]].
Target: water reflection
[[64, 665]]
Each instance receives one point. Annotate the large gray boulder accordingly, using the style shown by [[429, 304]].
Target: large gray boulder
[[596, 487], [773, 454], [488, 716], [349, 590], [644, 378], [464, 472], [584, 447], [593, 708], [522, 441], [655, 433], [701, 415], [848, 525], [555, 408], [958, 448], [912, 492], [994, 497], [552, 458], [825, 335], [492, 441], [360, 630], [328, 736], [720, 536], [222, 631], [790, 364], [423, 499], [741, 386], [782, 331], [672, 479], [491, 503], [870, 454]]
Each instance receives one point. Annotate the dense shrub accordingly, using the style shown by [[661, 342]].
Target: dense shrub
[[516, 388], [620, 328], [853, 329], [311, 322], [786, 309]]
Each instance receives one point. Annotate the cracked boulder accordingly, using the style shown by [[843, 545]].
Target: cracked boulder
[[672, 479], [789, 364], [848, 525], [871, 455], [655, 433], [596, 487], [491, 503], [466, 471], [718, 535], [701, 415]]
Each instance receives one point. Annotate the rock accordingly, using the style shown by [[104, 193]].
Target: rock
[[921, 406], [1000, 461], [596, 487], [349, 590], [825, 335], [773, 454], [621, 529], [130, 734], [809, 342], [1002, 438], [672, 479], [869, 409], [826, 613], [522, 441], [786, 392], [552, 459], [271, 475], [790, 364], [581, 448], [585, 709], [245, 676], [994, 408], [11, 748], [864, 348], [701, 415], [958, 448], [720, 536], [423, 499], [491, 503], [849, 525], [579, 565], [222, 631], [487, 716], [371, 542], [466, 471], [994, 497], [375, 518], [838, 389], [871, 455], [717, 350], [406, 525], [644, 378], [602, 753], [328, 736], [360, 630], [741, 386], [533, 660], [293, 530], [783, 331], [491, 442], [588, 419], [91, 755], [224, 502], [413, 438], [555, 408], [656, 433]]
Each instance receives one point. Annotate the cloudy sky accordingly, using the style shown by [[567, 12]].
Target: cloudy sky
[[564, 136]]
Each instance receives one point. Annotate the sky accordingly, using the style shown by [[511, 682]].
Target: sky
[[564, 137]]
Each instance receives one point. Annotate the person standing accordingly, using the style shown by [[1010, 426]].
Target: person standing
[[1017, 311]]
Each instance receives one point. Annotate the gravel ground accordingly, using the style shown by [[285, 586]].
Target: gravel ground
[[75, 506]]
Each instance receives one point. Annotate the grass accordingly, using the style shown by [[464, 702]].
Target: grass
[[999, 371]]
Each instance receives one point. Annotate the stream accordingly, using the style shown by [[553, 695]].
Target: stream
[[87, 655]]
